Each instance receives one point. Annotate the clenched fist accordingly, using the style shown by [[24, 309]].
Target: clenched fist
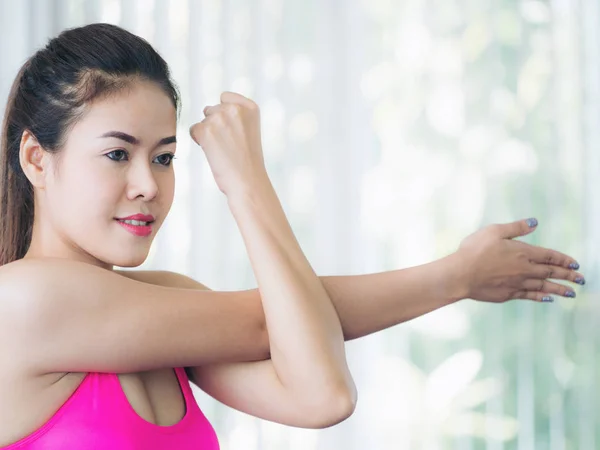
[[230, 138]]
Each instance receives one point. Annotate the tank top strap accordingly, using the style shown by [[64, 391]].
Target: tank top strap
[[186, 389]]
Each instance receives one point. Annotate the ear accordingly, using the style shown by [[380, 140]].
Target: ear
[[33, 159]]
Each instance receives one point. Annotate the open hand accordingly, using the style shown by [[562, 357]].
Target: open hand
[[498, 268]]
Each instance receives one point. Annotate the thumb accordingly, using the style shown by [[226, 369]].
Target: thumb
[[518, 228], [196, 132]]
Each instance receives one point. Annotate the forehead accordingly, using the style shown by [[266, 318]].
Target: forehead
[[143, 109]]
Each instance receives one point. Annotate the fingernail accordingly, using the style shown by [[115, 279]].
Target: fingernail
[[547, 299], [570, 294], [532, 222], [574, 266], [580, 280]]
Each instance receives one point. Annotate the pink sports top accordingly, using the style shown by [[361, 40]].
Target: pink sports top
[[98, 415]]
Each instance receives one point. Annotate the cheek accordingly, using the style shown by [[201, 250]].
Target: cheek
[[167, 191], [88, 194]]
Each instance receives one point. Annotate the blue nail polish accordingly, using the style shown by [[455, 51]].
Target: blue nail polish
[[532, 222], [547, 299], [580, 280], [574, 266], [570, 294]]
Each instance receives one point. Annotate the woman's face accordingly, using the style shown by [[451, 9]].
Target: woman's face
[[116, 163]]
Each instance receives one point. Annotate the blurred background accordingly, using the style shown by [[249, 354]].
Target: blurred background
[[392, 130]]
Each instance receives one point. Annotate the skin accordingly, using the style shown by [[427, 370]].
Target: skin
[[124, 326], [76, 204], [75, 211]]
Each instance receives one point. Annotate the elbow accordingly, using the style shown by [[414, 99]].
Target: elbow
[[334, 408], [345, 405]]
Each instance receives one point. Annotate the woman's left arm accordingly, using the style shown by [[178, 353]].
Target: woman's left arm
[[488, 266]]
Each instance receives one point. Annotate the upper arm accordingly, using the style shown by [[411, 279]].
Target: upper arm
[[67, 316], [254, 388]]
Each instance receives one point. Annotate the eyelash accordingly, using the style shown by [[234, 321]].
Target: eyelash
[[125, 151]]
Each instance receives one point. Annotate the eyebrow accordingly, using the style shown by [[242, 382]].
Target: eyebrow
[[135, 141]]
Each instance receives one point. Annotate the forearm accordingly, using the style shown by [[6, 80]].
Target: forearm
[[370, 303], [303, 326], [365, 304]]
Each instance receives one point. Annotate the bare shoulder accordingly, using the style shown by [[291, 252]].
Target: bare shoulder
[[28, 287], [163, 278], [18, 273], [25, 274], [20, 281], [23, 283]]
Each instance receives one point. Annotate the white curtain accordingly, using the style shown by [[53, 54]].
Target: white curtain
[[393, 129]]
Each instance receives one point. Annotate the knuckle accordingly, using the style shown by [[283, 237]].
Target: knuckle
[[519, 294], [233, 109], [209, 129], [216, 120], [529, 295]]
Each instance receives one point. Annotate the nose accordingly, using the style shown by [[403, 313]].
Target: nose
[[141, 182]]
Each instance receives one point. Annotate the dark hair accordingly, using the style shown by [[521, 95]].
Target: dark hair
[[50, 94]]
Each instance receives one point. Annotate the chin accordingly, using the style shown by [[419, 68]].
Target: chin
[[129, 260]]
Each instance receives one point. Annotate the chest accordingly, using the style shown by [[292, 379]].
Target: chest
[[156, 396]]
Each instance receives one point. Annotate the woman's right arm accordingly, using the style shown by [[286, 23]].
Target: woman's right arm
[[58, 315]]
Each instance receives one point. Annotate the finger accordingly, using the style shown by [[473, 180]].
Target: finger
[[233, 97], [541, 297], [543, 271], [223, 107], [516, 229], [196, 131], [548, 287], [211, 109], [552, 257]]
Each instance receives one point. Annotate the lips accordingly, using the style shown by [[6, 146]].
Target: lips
[[139, 217], [138, 230]]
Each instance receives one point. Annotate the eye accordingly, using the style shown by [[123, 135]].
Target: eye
[[120, 154], [166, 161], [114, 152]]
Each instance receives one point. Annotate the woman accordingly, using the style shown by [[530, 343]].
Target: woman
[[94, 357]]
